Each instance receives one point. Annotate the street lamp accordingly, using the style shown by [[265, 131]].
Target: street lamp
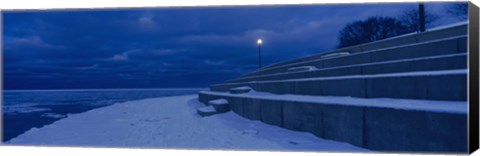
[[259, 42], [421, 17]]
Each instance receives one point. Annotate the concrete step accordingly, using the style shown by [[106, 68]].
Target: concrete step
[[442, 62], [446, 32], [220, 105], [377, 124], [206, 111], [433, 85], [240, 90], [302, 68], [437, 47]]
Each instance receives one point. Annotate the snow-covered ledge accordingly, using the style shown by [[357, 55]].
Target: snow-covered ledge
[[412, 125]]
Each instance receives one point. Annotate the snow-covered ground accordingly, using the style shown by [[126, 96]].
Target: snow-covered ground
[[172, 122]]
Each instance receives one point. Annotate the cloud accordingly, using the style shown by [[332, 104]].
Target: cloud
[[165, 47], [210, 62], [146, 22], [165, 52], [31, 41], [211, 39], [120, 57], [301, 32]]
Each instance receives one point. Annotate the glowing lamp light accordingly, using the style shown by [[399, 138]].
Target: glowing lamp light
[[259, 42]]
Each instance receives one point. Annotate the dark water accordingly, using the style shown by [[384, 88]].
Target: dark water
[[23, 110]]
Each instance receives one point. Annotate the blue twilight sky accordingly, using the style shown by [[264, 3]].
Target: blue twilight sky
[[169, 47]]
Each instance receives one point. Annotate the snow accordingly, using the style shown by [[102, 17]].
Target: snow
[[207, 109], [242, 88], [335, 54], [276, 65], [457, 107], [363, 64], [403, 74], [448, 26], [23, 108], [53, 115], [218, 102], [307, 68], [172, 122], [358, 53]]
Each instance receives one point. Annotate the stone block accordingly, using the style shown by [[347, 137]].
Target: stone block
[[206, 111], [415, 131], [462, 45], [446, 87], [357, 70], [393, 54], [272, 112], [346, 60], [252, 109], [444, 63], [389, 43], [343, 87], [449, 46], [220, 105], [433, 35], [303, 117], [343, 123], [405, 87], [236, 105]]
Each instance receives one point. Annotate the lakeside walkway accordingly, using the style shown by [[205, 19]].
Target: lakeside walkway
[[172, 122]]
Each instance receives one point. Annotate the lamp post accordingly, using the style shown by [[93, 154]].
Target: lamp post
[[421, 17], [259, 43]]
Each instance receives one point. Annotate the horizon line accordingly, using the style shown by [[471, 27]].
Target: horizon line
[[103, 89]]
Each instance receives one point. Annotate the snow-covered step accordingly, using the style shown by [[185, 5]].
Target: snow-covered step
[[383, 124], [408, 85], [442, 62], [220, 105], [385, 95], [240, 90], [408, 39], [335, 54], [443, 46], [302, 68], [206, 111]]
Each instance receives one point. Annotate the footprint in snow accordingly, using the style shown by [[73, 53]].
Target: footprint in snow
[[250, 132], [293, 142], [297, 142]]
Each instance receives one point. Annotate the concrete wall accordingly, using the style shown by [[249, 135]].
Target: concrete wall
[[382, 129], [437, 87], [395, 41], [393, 130], [444, 87], [432, 48], [441, 63]]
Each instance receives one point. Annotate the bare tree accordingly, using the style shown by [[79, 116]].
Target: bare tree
[[371, 29], [410, 17], [459, 10]]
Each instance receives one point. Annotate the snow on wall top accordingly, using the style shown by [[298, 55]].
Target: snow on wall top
[[457, 107]]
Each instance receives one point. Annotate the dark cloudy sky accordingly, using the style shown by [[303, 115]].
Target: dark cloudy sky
[[168, 47]]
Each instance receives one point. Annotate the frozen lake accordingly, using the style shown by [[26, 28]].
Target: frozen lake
[[26, 109]]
